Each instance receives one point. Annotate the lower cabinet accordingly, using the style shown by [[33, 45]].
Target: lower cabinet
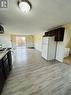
[[9, 60], [2, 79], [5, 68]]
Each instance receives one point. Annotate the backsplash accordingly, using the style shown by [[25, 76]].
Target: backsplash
[[5, 42]]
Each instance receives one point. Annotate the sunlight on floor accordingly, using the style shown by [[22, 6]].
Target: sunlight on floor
[[21, 54]]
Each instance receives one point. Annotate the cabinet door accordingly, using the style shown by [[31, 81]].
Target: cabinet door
[[1, 77], [6, 68], [45, 51], [9, 60], [51, 49], [45, 40]]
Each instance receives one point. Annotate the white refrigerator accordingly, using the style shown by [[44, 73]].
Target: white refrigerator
[[48, 48]]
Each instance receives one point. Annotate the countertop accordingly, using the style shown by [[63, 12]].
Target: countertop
[[3, 53]]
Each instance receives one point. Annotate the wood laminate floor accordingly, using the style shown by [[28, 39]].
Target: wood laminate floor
[[67, 59], [32, 75]]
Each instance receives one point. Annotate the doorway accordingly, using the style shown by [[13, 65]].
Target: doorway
[[21, 41]]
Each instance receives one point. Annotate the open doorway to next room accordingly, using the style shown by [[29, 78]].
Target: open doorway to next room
[[21, 41]]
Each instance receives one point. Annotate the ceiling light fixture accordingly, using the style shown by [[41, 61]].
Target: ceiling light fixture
[[24, 5]]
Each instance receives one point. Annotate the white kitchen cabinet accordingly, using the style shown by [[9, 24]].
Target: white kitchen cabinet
[[48, 48]]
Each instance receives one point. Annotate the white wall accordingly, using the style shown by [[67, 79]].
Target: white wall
[[29, 41], [29, 44], [5, 40], [38, 45], [38, 41]]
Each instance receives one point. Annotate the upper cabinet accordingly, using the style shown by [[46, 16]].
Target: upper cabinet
[[58, 33]]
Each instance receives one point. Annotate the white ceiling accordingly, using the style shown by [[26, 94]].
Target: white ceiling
[[45, 14]]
